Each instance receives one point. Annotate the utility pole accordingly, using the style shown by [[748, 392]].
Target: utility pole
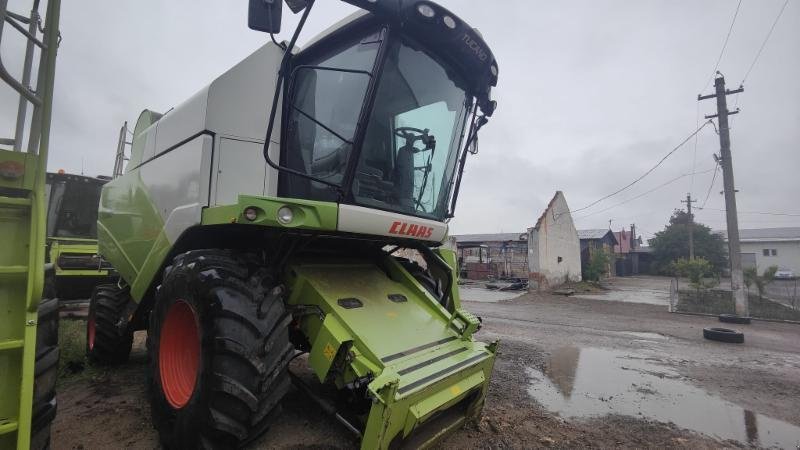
[[734, 251], [690, 223]]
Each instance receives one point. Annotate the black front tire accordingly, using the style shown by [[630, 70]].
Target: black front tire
[[45, 369], [240, 373], [108, 337]]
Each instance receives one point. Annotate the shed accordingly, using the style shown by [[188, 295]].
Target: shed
[[595, 240], [764, 247], [494, 255]]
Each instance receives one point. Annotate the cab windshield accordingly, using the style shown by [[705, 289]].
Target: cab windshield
[[72, 207], [411, 142]]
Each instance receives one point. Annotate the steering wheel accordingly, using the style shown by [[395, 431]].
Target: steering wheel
[[412, 135]]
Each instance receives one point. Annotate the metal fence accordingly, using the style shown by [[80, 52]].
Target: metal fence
[[780, 300]]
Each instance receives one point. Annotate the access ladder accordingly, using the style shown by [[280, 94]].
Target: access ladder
[[22, 220]]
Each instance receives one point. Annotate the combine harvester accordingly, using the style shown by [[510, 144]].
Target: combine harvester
[[72, 235], [261, 219]]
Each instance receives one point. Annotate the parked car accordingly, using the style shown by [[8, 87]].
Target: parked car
[[784, 274]]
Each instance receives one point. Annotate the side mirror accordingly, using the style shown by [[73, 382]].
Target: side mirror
[[264, 15]]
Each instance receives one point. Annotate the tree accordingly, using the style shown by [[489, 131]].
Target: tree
[[752, 277], [696, 270], [598, 265], [672, 244]]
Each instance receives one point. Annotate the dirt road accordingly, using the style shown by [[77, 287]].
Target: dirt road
[[571, 373]]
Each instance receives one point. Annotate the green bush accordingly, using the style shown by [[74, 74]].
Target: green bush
[[696, 270], [598, 265], [751, 277]]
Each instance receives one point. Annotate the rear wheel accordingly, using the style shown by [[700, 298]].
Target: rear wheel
[[108, 337], [45, 369], [219, 351]]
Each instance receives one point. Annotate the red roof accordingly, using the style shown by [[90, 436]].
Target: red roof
[[624, 239]]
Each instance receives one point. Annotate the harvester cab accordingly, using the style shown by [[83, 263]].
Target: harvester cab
[[299, 204], [71, 207]]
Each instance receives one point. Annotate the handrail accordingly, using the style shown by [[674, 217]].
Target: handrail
[[4, 74], [8, 18], [22, 108]]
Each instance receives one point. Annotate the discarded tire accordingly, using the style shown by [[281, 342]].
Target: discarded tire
[[219, 351], [723, 335], [733, 318], [108, 339]]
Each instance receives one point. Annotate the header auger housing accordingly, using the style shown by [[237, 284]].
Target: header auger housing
[[239, 252]]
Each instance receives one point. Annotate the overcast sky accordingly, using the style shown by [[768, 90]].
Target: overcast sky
[[591, 94]]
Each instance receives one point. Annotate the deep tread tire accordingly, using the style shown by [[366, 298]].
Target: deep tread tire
[[111, 340], [45, 370], [723, 335], [242, 373], [733, 318]]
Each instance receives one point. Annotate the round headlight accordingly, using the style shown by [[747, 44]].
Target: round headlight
[[250, 214], [494, 70], [426, 10], [449, 22], [285, 215]]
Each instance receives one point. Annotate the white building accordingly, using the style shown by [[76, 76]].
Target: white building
[[764, 247], [554, 252]]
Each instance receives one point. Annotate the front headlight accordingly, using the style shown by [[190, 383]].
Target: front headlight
[[285, 215]]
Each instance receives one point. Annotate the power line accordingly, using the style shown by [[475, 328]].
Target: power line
[[646, 173], [645, 193], [724, 45], [713, 179], [763, 44], [763, 213], [696, 138]]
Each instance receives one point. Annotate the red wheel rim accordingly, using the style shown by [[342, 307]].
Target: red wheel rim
[[90, 332], [179, 354]]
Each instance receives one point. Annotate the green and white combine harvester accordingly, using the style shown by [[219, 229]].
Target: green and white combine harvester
[[72, 235], [261, 219]]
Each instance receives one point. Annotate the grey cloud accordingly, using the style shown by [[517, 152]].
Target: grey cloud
[[591, 94]]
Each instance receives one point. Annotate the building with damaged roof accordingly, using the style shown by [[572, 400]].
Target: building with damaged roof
[[554, 255]]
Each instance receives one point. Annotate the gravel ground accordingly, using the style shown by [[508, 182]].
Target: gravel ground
[[109, 409]]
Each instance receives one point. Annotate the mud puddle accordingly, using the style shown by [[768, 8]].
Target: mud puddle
[[592, 382], [646, 336], [476, 294], [648, 297]]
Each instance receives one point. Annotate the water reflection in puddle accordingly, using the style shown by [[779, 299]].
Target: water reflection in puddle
[[584, 382]]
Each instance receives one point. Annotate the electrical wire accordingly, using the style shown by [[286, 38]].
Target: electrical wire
[[724, 45], [756, 212], [648, 172], [713, 179], [696, 138], [763, 44], [645, 193], [761, 49]]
